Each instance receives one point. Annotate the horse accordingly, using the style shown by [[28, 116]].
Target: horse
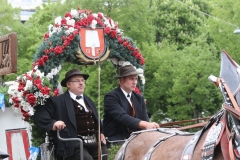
[[219, 139]]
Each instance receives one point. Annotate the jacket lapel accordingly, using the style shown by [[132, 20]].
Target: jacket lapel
[[91, 106], [124, 100], [70, 108]]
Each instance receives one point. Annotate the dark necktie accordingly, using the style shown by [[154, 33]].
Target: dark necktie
[[78, 97], [128, 96]]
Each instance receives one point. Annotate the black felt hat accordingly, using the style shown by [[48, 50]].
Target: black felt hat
[[71, 73]]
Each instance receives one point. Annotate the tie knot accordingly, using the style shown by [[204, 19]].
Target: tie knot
[[78, 97], [128, 96]]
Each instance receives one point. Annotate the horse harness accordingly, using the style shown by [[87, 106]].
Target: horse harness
[[223, 121], [155, 145]]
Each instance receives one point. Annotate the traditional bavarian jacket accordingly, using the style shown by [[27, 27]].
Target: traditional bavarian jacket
[[62, 108]]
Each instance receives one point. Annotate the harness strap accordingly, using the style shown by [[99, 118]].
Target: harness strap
[[231, 147], [189, 148], [155, 145], [122, 150]]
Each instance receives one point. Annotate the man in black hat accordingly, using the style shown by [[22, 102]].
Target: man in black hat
[[75, 115], [125, 110]]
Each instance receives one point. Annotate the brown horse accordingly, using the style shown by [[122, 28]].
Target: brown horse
[[170, 148], [214, 141]]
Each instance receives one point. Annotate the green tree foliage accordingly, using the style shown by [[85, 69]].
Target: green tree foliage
[[225, 18], [177, 23], [10, 18], [177, 69], [11, 22]]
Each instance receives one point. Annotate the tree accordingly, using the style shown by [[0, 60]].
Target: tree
[[178, 67], [225, 18]]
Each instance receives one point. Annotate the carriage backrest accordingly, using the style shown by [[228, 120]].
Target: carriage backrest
[[230, 72]]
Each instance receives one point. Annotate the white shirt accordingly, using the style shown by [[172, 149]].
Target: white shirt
[[80, 101], [126, 95]]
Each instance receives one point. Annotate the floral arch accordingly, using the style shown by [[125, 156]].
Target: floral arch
[[60, 44]]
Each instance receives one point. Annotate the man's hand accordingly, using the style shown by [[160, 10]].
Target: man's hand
[[58, 125], [148, 125], [103, 138]]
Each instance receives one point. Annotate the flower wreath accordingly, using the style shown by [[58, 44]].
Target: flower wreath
[[61, 44]]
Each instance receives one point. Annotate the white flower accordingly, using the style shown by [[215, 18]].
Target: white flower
[[71, 29], [93, 24], [74, 13], [95, 15], [112, 23], [54, 71], [50, 27], [58, 20], [142, 78], [30, 111], [71, 22], [28, 85], [59, 67], [119, 31], [113, 60], [124, 63], [39, 73], [106, 22], [49, 76], [25, 105], [67, 32], [140, 71]]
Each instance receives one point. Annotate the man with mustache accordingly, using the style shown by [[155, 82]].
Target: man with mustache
[[75, 115]]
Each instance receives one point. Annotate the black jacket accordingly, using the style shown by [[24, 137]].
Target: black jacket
[[61, 108], [117, 120]]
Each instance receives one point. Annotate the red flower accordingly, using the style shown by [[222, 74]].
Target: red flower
[[70, 37], [44, 58], [63, 21], [58, 50], [16, 105], [66, 43], [137, 90], [142, 61], [40, 62], [113, 34], [20, 88], [45, 90], [38, 83], [99, 21], [56, 92], [46, 51], [31, 99], [15, 100], [107, 30], [100, 15], [25, 93], [46, 36], [130, 47], [120, 40], [85, 22], [90, 18], [125, 43], [68, 14]]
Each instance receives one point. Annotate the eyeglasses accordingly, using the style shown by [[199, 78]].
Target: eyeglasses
[[78, 80]]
